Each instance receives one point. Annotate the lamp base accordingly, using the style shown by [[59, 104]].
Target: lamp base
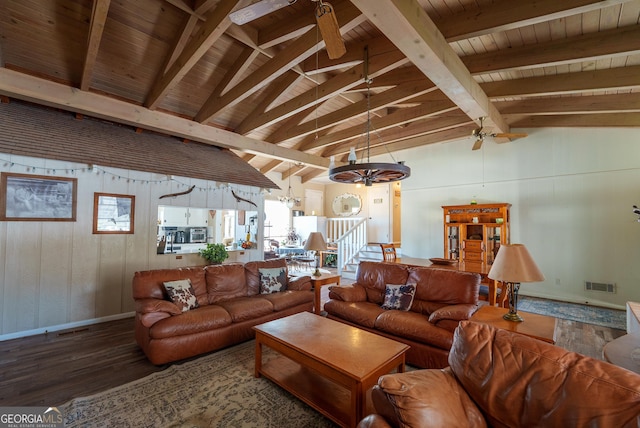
[[317, 272], [513, 317], [512, 294]]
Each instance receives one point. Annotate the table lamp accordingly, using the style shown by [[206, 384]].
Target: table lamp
[[513, 265], [315, 242]]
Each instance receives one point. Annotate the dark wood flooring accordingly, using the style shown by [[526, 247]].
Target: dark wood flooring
[[50, 369]]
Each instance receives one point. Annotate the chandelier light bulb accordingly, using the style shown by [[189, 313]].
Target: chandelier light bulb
[[352, 156]]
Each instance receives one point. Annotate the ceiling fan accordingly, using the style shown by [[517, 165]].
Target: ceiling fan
[[325, 17], [480, 135]]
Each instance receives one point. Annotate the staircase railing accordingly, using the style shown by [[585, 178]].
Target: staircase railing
[[350, 240]]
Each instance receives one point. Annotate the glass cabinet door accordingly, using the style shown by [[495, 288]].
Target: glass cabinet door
[[494, 237], [452, 250]]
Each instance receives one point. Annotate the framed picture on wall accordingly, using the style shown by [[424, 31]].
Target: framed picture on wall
[[113, 213], [25, 197]]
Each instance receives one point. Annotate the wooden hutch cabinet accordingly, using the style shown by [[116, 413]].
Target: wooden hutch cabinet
[[473, 233]]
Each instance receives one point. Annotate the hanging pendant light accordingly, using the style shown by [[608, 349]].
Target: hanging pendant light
[[289, 199], [368, 173]]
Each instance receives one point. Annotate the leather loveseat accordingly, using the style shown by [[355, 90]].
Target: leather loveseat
[[442, 298], [501, 379], [229, 303]]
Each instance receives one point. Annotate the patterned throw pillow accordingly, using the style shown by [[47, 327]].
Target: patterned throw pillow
[[399, 297], [181, 293], [272, 280]]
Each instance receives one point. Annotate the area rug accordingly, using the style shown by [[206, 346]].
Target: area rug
[[214, 390], [606, 317]]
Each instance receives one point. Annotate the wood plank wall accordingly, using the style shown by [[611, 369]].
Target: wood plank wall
[[55, 274]]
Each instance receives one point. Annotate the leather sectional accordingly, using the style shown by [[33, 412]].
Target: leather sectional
[[501, 379], [229, 304], [442, 299]]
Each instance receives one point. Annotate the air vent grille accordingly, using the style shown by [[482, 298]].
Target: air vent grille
[[600, 287]]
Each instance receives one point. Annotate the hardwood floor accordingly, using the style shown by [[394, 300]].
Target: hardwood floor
[[50, 369]]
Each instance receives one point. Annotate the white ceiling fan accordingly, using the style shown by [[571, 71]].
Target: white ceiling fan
[[480, 135], [325, 17]]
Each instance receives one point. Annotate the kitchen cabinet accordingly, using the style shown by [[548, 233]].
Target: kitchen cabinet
[[183, 216], [473, 233]]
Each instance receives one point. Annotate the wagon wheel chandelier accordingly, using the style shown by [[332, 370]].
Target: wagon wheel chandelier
[[368, 172]]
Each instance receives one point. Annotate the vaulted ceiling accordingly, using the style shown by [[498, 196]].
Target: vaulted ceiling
[[268, 91]]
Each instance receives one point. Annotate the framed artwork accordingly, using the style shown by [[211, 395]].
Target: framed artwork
[[25, 197], [113, 214]]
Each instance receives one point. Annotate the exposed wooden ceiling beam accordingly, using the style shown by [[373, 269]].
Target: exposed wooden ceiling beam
[[296, 52], [273, 92], [216, 24], [572, 120], [96, 28], [397, 118], [270, 166], [508, 14], [384, 99], [407, 25], [619, 103], [379, 64], [45, 92], [592, 46], [385, 138], [584, 81]]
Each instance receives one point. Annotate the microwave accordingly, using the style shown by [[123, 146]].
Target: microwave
[[198, 235]]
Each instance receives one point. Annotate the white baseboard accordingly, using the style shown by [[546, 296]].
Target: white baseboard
[[59, 327]]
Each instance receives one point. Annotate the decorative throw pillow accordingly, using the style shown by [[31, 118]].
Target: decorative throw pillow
[[181, 293], [399, 296], [272, 280]]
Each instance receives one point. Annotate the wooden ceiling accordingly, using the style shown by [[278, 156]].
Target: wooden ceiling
[[268, 91]]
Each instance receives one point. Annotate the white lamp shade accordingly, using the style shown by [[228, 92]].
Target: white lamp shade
[[513, 263], [315, 242]]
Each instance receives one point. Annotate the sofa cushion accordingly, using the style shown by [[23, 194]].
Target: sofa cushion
[[415, 327], [287, 299], [399, 296], [461, 287], [252, 275], [181, 293], [246, 308], [204, 318], [374, 277], [416, 402], [547, 385], [225, 282], [272, 280], [150, 283], [361, 313]]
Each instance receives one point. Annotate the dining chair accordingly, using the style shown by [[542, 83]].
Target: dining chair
[[388, 252]]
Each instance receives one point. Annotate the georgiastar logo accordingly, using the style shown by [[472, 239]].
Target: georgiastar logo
[[31, 417]]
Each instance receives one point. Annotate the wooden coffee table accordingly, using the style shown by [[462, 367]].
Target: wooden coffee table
[[329, 365], [538, 326]]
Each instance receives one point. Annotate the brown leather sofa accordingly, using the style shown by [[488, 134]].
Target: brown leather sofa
[[502, 379], [443, 298], [229, 305]]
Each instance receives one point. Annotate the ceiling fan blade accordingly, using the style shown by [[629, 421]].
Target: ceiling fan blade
[[328, 25], [477, 144], [509, 135], [257, 10]]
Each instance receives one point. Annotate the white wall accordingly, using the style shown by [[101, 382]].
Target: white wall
[[571, 191], [59, 273]]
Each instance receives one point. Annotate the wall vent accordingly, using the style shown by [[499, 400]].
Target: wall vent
[[600, 286]]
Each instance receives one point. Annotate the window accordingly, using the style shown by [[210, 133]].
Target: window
[[277, 220]]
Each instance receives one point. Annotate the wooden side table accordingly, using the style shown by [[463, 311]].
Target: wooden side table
[[537, 326], [317, 282]]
